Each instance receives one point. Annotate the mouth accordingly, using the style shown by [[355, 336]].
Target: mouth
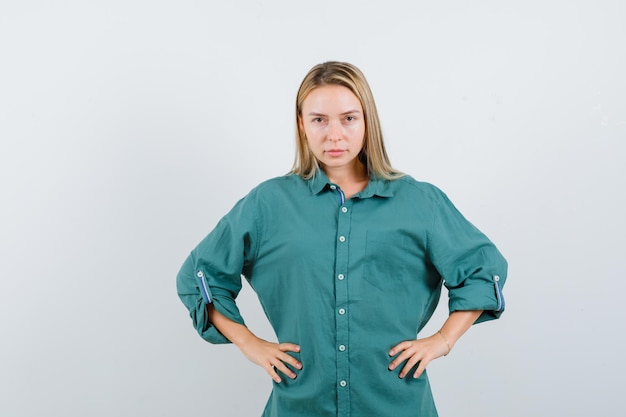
[[335, 152]]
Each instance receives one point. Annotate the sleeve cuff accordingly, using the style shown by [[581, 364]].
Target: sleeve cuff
[[486, 296], [196, 294]]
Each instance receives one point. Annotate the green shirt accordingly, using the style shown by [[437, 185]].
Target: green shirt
[[346, 280]]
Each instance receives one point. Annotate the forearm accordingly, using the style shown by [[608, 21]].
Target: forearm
[[270, 356], [457, 324], [421, 351], [237, 333]]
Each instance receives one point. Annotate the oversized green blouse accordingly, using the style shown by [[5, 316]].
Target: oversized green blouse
[[346, 279]]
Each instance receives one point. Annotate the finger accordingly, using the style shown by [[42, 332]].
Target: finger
[[290, 360], [420, 368], [406, 354], [272, 373], [399, 347], [289, 347], [280, 366], [410, 364]]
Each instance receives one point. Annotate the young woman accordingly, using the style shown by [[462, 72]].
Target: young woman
[[347, 257]]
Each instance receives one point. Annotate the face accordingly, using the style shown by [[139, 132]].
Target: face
[[333, 121]]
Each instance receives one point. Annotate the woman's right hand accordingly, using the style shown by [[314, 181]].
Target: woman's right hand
[[270, 356]]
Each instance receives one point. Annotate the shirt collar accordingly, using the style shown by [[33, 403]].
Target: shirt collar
[[375, 187], [318, 182], [378, 187]]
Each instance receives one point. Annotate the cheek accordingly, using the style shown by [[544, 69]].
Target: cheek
[[312, 137], [310, 141], [359, 134], [314, 146], [309, 133]]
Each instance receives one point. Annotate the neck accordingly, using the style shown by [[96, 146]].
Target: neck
[[350, 179], [353, 173]]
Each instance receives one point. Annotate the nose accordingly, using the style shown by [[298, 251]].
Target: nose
[[335, 131]]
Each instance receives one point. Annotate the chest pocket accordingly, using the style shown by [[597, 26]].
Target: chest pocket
[[389, 260]]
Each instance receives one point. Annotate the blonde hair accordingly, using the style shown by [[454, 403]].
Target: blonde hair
[[373, 155]]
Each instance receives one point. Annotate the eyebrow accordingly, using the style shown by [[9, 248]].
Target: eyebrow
[[341, 114]]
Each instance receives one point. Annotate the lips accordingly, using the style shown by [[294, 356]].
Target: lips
[[335, 152]]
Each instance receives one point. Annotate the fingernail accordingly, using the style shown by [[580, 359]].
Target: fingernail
[[391, 353], [392, 367], [299, 366]]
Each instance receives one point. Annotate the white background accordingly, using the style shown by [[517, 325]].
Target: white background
[[128, 128]]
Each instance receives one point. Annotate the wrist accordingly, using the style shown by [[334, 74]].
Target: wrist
[[243, 338], [445, 339]]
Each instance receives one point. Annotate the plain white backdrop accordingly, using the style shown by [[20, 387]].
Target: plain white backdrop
[[128, 128]]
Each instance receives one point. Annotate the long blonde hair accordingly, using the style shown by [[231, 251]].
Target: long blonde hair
[[373, 155]]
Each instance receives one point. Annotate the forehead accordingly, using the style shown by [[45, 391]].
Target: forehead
[[330, 99]]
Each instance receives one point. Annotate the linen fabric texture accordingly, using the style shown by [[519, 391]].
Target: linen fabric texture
[[346, 280]]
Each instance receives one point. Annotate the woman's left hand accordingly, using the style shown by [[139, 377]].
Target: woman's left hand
[[417, 352]]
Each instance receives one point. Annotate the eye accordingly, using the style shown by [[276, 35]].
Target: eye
[[350, 118], [317, 120]]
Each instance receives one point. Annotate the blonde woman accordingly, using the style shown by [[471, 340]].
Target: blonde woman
[[347, 257]]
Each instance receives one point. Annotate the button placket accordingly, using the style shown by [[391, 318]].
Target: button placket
[[341, 303]]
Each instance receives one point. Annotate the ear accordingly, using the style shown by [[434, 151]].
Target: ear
[[300, 123]]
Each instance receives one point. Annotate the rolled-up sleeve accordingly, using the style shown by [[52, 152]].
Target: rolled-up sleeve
[[473, 269], [212, 272]]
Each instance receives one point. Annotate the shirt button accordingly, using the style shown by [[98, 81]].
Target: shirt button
[[340, 277], [342, 238], [343, 383], [344, 209], [333, 187], [342, 348], [342, 311], [496, 278]]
